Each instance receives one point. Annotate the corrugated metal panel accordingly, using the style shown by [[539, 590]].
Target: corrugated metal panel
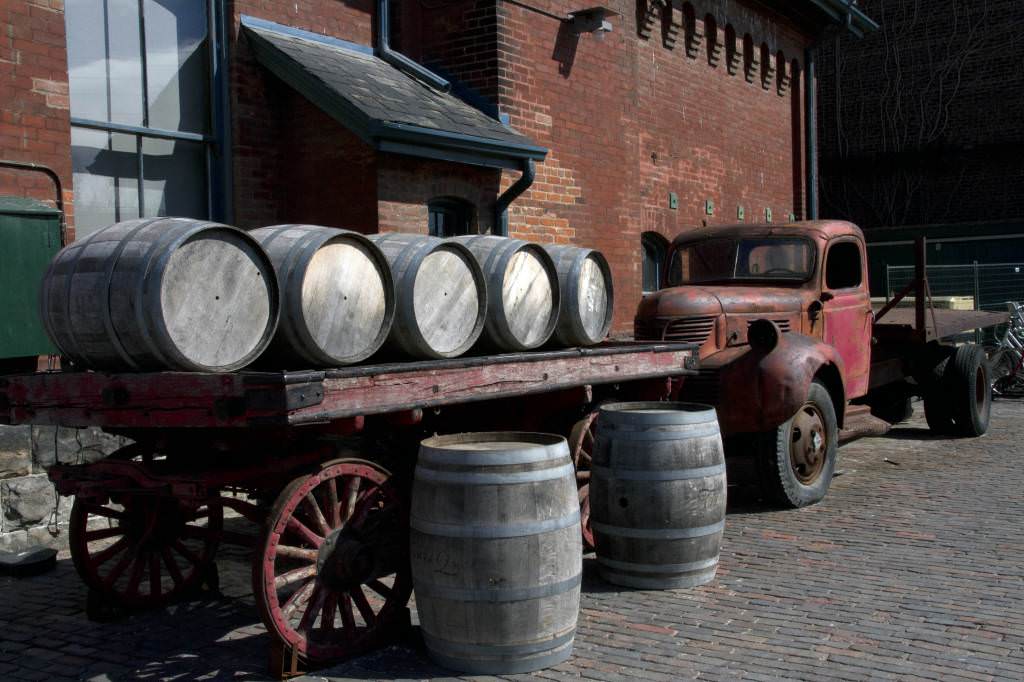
[[29, 238]]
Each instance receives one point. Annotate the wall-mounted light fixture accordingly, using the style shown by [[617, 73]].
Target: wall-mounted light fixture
[[594, 20]]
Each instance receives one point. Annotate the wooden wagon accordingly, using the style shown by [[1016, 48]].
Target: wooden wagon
[[321, 461]]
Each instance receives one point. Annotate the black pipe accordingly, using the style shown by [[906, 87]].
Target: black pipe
[[400, 61], [510, 195], [811, 134]]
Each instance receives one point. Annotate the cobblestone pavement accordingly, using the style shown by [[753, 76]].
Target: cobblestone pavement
[[911, 569]]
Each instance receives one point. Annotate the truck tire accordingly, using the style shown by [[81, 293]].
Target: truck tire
[[800, 455], [969, 390], [937, 409]]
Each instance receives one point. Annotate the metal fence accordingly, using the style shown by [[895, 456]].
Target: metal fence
[[991, 285]]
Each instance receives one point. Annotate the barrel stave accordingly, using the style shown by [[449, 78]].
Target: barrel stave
[[161, 293], [496, 551], [587, 295], [338, 299], [658, 494], [441, 298]]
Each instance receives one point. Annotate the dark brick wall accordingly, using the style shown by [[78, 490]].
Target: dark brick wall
[[630, 119], [34, 113], [920, 123], [329, 176]]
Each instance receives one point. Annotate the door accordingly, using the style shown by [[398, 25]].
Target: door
[[847, 312]]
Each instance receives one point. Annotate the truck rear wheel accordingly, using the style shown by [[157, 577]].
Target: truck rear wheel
[[938, 411], [969, 390], [800, 455]]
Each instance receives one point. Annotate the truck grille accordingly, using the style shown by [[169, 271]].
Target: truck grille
[[690, 329], [783, 325], [702, 388], [683, 329]]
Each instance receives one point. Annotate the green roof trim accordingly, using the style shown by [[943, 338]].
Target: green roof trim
[[25, 206]]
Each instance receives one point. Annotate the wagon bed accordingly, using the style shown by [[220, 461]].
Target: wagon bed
[[292, 398]]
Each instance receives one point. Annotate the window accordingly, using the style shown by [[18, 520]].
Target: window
[[142, 127], [654, 248], [782, 259], [842, 268], [450, 217]]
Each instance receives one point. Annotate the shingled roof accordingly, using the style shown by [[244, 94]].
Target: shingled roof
[[383, 105]]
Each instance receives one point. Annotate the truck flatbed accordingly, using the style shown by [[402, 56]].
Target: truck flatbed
[[898, 324], [292, 398]]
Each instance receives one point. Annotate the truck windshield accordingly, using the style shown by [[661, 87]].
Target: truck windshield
[[788, 259]]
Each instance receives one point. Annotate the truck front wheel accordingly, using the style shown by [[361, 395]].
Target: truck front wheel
[[800, 455]]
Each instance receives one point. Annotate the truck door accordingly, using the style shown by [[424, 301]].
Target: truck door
[[847, 312]]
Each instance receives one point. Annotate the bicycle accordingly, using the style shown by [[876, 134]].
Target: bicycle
[[1007, 357]]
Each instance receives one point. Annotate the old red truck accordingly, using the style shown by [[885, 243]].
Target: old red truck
[[793, 355]]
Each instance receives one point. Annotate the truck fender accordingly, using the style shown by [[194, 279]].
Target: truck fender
[[762, 389]]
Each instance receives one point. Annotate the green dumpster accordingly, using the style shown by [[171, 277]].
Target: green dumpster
[[29, 238]]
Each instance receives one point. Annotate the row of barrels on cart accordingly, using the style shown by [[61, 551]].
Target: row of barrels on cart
[[175, 293], [495, 536]]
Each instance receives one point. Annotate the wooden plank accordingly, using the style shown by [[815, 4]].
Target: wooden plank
[[899, 322], [346, 395], [194, 400], [155, 399]]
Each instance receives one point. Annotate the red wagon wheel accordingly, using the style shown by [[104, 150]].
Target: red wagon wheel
[[581, 448], [331, 578], [144, 551]]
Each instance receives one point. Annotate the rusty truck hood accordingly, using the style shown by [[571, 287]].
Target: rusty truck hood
[[690, 300]]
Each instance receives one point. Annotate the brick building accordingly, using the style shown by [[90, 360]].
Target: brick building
[[612, 127]]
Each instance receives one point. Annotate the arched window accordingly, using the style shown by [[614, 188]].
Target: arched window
[[654, 248], [450, 217]]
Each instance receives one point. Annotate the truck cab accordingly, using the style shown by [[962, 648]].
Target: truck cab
[[783, 318]]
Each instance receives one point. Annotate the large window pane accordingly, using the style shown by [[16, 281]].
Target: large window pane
[[175, 178], [104, 65], [105, 167], [177, 63]]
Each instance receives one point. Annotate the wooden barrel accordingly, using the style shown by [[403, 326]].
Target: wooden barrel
[[522, 291], [586, 292], [441, 295], [161, 293], [496, 551], [337, 297], [657, 494]]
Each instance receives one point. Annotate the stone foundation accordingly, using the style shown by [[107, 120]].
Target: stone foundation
[[30, 511]]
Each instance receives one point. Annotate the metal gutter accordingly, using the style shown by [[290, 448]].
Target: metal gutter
[[511, 194], [398, 60], [811, 134], [846, 13]]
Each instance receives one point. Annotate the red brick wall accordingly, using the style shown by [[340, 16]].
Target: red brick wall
[[459, 38], [34, 114], [406, 185], [259, 100], [630, 119]]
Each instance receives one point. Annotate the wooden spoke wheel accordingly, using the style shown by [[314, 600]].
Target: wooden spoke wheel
[[581, 448], [332, 575], [142, 550]]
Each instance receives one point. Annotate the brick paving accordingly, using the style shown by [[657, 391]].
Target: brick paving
[[910, 570]]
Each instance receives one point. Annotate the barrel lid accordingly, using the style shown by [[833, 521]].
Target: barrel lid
[[660, 412], [493, 448], [26, 206]]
